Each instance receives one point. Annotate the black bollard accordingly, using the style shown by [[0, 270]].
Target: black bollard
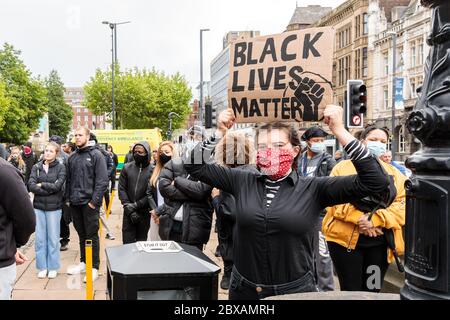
[[427, 235]]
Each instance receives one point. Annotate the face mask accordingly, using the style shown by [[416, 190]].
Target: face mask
[[275, 163], [139, 159], [303, 144], [164, 158], [376, 148], [317, 147], [27, 150]]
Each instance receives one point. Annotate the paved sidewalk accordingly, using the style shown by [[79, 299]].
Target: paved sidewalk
[[69, 287]]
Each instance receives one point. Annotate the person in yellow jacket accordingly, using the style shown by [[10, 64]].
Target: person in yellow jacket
[[357, 244]]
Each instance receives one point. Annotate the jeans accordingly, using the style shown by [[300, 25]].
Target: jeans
[[85, 220], [7, 279], [47, 239], [243, 289]]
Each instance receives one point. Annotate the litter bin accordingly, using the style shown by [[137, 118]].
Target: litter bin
[[160, 270]]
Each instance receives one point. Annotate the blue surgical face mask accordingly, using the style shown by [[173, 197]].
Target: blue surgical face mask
[[317, 147], [303, 144], [376, 148]]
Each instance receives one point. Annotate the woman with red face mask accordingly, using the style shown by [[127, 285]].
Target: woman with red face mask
[[276, 210]]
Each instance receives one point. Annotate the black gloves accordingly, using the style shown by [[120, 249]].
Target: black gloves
[[135, 217], [129, 208]]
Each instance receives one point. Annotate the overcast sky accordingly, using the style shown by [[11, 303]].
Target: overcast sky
[[68, 35]]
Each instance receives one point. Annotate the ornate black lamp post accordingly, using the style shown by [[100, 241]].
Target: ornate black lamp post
[[427, 255]]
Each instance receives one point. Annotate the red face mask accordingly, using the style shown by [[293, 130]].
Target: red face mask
[[275, 163], [27, 150]]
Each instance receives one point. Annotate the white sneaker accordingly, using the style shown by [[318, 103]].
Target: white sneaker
[[80, 268], [52, 274], [94, 275], [42, 274]]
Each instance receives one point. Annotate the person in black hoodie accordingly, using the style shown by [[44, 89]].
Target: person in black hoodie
[[30, 159], [235, 150], [17, 223], [187, 215], [47, 182], [133, 183], [87, 181]]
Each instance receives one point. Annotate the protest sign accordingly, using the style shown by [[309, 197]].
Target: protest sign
[[282, 77]]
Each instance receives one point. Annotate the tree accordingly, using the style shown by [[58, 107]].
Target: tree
[[27, 97], [59, 112], [4, 104], [143, 98]]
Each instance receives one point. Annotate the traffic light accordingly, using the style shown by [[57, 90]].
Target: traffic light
[[214, 117], [210, 116], [356, 105]]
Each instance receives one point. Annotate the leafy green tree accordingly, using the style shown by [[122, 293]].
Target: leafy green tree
[[27, 97], [4, 103], [59, 112], [143, 98]]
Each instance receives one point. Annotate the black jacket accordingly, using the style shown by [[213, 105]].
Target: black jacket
[[30, 160], [133, 182], [274, 245], [87, 178], [17, 218], [193, 195], [49, 196]]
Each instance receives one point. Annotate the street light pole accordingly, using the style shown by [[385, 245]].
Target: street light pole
[[394, 69], [113, 26], [200, 105], [113, 67]]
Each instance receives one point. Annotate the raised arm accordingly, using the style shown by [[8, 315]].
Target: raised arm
[[370, 177], [199, 162]]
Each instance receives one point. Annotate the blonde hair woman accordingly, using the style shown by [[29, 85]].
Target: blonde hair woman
[[164, 154], [46, 182]]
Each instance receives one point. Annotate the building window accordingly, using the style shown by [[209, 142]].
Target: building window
[[413, 54], [86, 118], [420, 53], [386, 63], [401, 141], [365, 23], [340, 72], [365, 63], [386, 97], [357, 26], [358, 64], [79, 119], [347, 68]]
